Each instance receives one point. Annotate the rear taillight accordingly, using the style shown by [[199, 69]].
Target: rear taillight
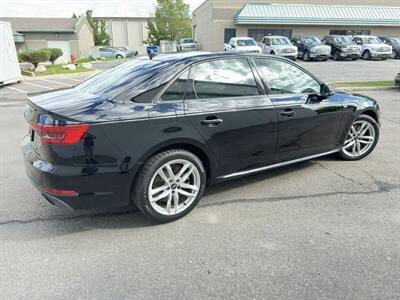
[[60, 134], [57, 192]]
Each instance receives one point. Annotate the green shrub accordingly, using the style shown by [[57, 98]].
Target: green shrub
[[34, 56], [54, 53]]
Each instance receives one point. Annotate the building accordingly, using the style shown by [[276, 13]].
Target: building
[[130, 32], [216, 21], [71, 35]]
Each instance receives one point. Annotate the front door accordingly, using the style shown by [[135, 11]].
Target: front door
[[307, 125], [232, 114]]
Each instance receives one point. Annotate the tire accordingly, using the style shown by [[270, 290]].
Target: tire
[[336, 55], [306, 56], [354, 152], [367, 55], [272, 53], [119, 56], [149, 179]]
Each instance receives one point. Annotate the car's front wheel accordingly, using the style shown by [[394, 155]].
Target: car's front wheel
[[361, 138], [169, 185], [366, 55]]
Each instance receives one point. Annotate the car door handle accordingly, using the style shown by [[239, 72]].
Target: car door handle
[[288, 112], [211, 121]]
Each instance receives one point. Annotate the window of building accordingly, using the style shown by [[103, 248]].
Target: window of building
[[229, 33], [284, 78], [258, 34], [222, 78], [349, 32]]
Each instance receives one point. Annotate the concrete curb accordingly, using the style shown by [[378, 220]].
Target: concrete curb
[[27, 78], [377, 88]]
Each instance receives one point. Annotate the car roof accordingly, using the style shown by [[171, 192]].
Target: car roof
[[242, 38], [275, 36], [199, 56]]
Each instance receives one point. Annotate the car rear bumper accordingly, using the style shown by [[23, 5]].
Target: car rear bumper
[[95, 187]]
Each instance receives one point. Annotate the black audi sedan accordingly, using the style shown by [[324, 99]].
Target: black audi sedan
[[155, 132]]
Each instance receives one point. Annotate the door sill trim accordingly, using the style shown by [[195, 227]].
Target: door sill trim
[[281, 164]]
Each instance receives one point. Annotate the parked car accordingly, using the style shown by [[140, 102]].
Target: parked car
[[311, 48], [342, 47], [140, 133], [187, 44], [243, 44], [395, 43], [372, 47], [397, 79], [279, 45], [109, 52], [129, 52]]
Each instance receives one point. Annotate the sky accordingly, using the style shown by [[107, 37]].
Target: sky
[[65, 8]]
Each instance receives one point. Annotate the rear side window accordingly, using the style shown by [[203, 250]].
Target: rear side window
[[284, 78], [176, 91], [222, 78]]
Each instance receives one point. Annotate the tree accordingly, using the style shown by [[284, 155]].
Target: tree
[[172, 22], [54, 53], [34, 56], [100, 35]]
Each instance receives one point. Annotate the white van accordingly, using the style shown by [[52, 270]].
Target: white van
[[9, 70]]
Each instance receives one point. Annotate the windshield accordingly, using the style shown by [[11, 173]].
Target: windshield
[[246, 42], [188, 41], [130, 79], [395, 41], [372, 40], [312, 40], [280, 41], [343, 39]]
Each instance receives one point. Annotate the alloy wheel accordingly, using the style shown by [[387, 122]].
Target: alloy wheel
[[360, 139], [174, 187]]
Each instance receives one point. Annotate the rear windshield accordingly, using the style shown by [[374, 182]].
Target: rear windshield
[[130, 79]]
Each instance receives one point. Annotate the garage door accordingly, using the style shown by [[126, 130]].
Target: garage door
[[64, 46]]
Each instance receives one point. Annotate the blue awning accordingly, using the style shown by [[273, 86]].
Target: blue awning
[[305, 14]]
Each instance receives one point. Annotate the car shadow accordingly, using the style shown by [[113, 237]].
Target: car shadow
[[69, 223]]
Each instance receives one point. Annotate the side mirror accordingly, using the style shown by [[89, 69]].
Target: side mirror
[[325, 90]]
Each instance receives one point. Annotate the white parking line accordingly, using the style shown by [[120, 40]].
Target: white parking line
[[56, 82], [76, 80], [15, 89], [40, 86]]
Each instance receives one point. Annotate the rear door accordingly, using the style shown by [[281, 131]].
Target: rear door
[[307, 126], [230, 110]]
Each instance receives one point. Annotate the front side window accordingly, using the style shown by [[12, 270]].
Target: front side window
[[312, 40], [176, 91], [284, 78], [222, 78]]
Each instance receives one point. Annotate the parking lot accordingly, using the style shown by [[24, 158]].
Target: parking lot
[[319, 229], [329, 71]]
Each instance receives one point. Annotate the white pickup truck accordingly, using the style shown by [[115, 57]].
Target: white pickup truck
[[372, 47], [279, 45], [242, 44]]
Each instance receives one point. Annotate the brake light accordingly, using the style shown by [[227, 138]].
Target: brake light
[[56, 192], [60, 134]]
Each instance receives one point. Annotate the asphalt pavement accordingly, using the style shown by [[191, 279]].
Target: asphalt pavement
[[323, 229]]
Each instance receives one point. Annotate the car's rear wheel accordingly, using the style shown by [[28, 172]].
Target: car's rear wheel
[[118, 56], [361, 138], [169, 185]]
